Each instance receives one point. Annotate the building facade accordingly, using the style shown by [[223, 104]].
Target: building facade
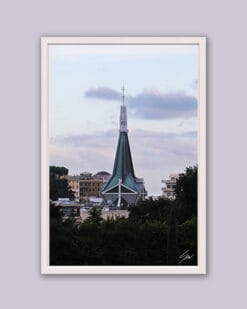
[[87, 185], [123, 188], [169, 190]]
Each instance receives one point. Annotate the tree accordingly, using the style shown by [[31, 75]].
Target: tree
[[58, 184], [94, 216], [186, 193], [55, 213], [150, 210], [58, 171], [187, 242], [172, 256]]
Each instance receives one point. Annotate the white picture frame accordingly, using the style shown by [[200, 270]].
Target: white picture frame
[[123, 270]]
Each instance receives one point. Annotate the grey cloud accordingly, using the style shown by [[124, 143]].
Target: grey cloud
[[154, 154], [151, 104], [163, 145], [151, 149], [99, 140], [104, 138], [104, 93], [156, 105]]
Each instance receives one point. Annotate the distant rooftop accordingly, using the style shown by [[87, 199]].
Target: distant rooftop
[[102, 173], [85, 174]]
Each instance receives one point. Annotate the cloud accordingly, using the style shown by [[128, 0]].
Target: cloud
[[104, 93], [158, 149], [157, 105], [151, 104], [154, 154]]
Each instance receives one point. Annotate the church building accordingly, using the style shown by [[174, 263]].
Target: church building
[[123, 188]]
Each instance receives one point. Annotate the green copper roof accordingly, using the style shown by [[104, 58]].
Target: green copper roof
[[123, 187], [123, 166]]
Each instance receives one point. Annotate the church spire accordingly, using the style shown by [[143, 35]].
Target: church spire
[[123, 188], [123, 115]]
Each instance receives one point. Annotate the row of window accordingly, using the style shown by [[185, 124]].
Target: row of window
[[171, 186], [170, 194], [86, 185], [88, 190], [90, 185]]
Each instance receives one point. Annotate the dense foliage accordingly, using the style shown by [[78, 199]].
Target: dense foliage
[[157, 232], [58, 185], [150, 210], [186, 193], [59, 170]]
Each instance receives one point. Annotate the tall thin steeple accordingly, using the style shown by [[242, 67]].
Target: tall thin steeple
[[123, 188], [123, 89], [123, 115]]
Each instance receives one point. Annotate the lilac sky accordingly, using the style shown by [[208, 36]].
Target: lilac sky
[[161, 85]]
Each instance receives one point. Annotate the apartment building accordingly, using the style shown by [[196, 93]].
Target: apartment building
[[169, 190], [87, 185]]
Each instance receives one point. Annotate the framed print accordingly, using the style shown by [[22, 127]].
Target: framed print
[[123, 158]]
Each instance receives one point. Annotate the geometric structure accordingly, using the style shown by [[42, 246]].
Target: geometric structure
[[123, 188]]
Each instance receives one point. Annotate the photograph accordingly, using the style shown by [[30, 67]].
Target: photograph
[[123, 155]]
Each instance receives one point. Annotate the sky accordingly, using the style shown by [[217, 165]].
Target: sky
[[161, 94]]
